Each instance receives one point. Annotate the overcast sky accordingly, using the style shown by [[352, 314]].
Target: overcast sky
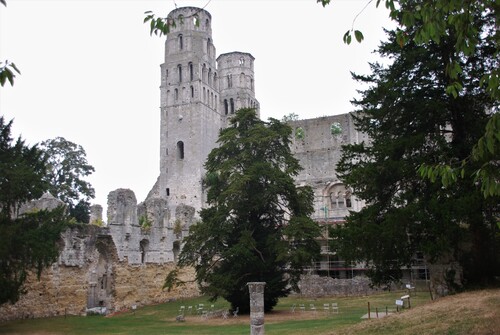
[[90, 71]]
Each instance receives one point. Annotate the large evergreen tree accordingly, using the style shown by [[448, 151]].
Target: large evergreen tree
[[411, 121], [27, 242], [257, 225]]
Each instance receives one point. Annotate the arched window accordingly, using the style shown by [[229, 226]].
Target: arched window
[[216, 84], [179, 70], [192, 91], [229, 81], [215, 101], [231, 101], [168, 97], [226, 107], [191, 73], [181, 42], [208, 44], [204, 95], [210, 77], [251, 84], [242, 61], [176, 94], [242, 80], [339, 197], [180, 150], [144, 246], [204, 73]]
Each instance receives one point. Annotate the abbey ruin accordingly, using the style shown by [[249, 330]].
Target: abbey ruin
[[125, 262]]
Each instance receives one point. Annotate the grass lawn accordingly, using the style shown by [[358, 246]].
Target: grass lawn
[[160, 319]]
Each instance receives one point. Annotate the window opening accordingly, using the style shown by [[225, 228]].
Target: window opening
[[181, 42], [192, 92], [191, 73], [179, 69], [168, 191], [180, 150], [232, 105], [226, 107]]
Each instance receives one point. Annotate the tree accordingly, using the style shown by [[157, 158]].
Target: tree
[[257, 225], [433, 20], [411, 120], [27, 242], [66, 166]]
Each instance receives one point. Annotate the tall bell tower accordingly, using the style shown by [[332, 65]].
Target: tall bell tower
[[190, 107]]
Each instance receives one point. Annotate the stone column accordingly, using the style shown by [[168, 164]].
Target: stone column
[[256, 307]]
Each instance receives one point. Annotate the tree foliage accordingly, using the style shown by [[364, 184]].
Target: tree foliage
[[257, 225], [411, 121], [66, 168], [8, 69], [27, 242], [432, 21]]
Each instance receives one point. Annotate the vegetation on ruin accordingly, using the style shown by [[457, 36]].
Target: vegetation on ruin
[[474, 312], [145, 222], [27, 242], [67, 166], [411, 120], [257, 226]]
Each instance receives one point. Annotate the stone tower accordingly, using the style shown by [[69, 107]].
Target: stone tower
[[199, 93], [236, 82], [190, 107]]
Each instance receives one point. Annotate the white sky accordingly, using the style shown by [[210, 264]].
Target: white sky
[[90, 71]]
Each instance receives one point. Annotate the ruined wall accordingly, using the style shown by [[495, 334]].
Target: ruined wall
[[316, 143], [314, 286], [114, 267]]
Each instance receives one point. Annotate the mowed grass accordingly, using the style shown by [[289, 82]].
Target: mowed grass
[[468, 313]]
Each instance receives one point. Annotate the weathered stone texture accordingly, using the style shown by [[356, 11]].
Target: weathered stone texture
[[320, 286], [64, 290]]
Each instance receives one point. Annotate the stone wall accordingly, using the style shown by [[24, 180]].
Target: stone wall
[[65, 290], [114, 267], [315, 286]]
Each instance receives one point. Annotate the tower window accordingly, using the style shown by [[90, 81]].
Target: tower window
[[179, 70], [180, 150], [229, 81], [181, 42], [192, 91], [242, 80], [191, 73], [242, 61], [226, 107], [232, 105], [208, 44], [168, 191], [176, 94]]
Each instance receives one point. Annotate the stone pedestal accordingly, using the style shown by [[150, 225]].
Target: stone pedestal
[[256, 307]]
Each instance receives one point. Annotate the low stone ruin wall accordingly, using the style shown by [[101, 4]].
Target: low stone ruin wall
[[315, 286], [64, 290]]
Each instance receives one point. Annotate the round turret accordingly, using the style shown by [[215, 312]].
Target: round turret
[[236, 82]]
